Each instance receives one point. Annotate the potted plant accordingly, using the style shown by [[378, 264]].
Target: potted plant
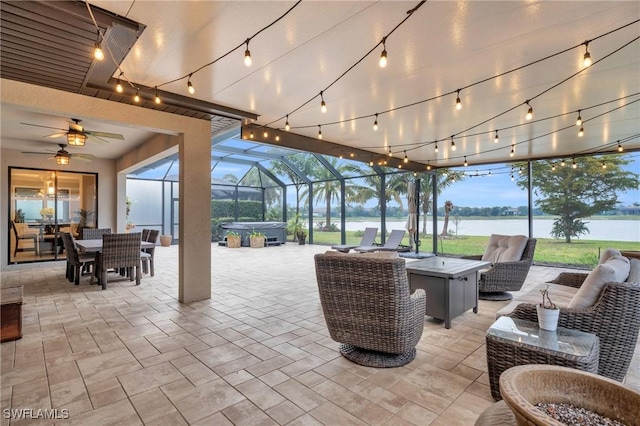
[[83, 220], [19, 216], [165, 240], [548, 312], [301, 233], [297, 228], [256, 239], [233, 239]]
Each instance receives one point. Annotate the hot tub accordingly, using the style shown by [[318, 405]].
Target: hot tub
[[275, 232]]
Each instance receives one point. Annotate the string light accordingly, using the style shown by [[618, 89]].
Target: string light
[[458, 103], [465, 161], [428, 166], [620, 148], [371, 161], [513, 151], [265, 134], [157, 97], [375, 123], [119, 87], [496, 139], [489, 172], [604, 165], [529, 115], [553, 167], [341, 155], [190, 87], [579, 120], [383, 55], [97, 51], [573, 164], [278, 140], [286, 125], [581, 132], [453, 144], [406, 159], [251, 134], [247, 55], [562, 163], [436, 150], [136, 98], [512, 177], [586, 59], [319, 131], [323, 105], [390, 153], [352, 154]]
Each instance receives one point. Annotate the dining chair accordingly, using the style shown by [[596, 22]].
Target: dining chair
[[120, 251], [22, 235], [146, 256], [94, 233], [75, 261]]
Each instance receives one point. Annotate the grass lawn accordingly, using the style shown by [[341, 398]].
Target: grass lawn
[[583, 253]]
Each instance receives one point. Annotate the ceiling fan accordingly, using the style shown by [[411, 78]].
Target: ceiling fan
[[62, 156], [77, 135]]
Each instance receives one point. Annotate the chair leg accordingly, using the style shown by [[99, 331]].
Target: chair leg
[[138, 274], [77, 276], [151, 265], [103, 278]]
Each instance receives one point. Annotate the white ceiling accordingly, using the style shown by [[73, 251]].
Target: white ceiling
[[444, 46]]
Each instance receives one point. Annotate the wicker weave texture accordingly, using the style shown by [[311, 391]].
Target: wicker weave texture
[[75, 261], [120, 251], [94, 234], [503, 354], [614, 318], [367, 304]]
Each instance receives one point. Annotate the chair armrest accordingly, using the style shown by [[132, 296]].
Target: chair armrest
[[570, 279], [502, 268], [418, 302]]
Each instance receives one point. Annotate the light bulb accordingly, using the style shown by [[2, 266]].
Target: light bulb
[[465, 161], [553, 167], [190, 87], [157, 97], [574, 165], [341, 155], [604, 165], [375, 124], [495, 139], [323, 105], [383, 59], [436, 150], [581, 132], [136, 98], [390, 153], [453, 144], [579, 120], [352, 154], [458, 102], [319, 132], [489, 172], [513, 152], [119, 87], [562, 163], [511, 178], [247, 55], [278, 138], [586, 59], [265, 134], [251, 134], [529, 115], [620, 148], [406, 159], [371, 162], [286, 125], [97, 52]]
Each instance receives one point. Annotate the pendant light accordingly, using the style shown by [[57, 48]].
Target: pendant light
[[383, 55], [98, 54], [247, 55], [458, 103], [286, 124], [190, 87], [579, 120], [495, 139], [375, 123], [323, 105], [586, 59], [529, 115], [319, 131]]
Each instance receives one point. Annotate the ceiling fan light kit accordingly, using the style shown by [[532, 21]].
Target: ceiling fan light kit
[[76, 138]]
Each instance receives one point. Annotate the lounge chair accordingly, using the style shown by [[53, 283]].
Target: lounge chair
[[368, 239], [392, 243]]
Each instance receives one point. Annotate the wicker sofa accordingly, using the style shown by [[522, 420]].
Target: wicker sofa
[[368, 308], [614, 318]]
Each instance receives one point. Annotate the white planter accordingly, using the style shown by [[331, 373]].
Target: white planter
[[548, 318]]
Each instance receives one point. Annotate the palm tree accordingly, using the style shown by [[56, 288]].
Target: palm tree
[[444, 179], [448, 208], [327, 187], [304, 163], [396, 186]]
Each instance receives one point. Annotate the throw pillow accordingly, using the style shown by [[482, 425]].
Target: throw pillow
[[505, 248], [608, 254], [616, 269], [634, 271]]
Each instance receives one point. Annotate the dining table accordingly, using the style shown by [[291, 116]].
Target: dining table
[[95, 246]]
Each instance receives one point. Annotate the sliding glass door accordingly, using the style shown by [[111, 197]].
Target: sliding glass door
[[43, 204]]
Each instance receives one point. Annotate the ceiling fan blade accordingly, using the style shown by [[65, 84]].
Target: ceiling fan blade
[[105, 135], [97, 139], [46, 127], [55, 135], [37, 153], [76, 127]]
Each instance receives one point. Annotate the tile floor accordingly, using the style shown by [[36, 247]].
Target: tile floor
[[257, 353]]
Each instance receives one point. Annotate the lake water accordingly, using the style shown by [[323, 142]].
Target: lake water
[[612, 230]]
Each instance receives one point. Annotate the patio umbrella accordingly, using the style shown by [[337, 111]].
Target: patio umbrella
[[412, 221]]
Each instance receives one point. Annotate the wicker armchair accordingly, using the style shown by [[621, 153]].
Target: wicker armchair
[[368, 308], [503, 277], [614, 318]]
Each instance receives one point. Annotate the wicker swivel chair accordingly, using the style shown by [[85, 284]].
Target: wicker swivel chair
[[614, 318], [368, 308], [503, 277]]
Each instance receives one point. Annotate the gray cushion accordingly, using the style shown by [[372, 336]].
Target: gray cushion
[[634, 271], [615, 269], [505, 248], [608, 254]]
